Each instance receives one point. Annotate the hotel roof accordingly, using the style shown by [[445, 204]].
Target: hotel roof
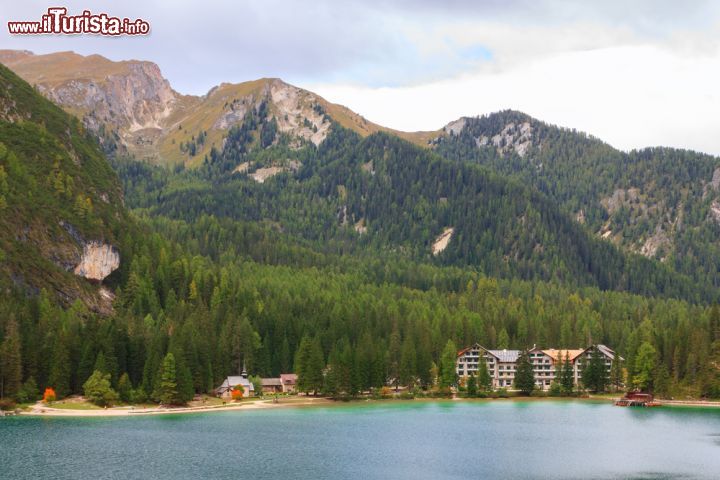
[[561, 354], [609, 352], [505, 355]]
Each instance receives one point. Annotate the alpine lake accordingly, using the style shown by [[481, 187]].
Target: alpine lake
[[539, 439]]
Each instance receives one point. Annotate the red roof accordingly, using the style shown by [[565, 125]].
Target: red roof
[[460, 352]]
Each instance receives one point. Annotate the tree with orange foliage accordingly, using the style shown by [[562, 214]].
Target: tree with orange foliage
[[237, 392], [49, 395]]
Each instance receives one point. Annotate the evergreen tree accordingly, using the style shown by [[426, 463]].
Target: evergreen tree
[[301, 364], [59, 378], [616, 373], [101, 364], [167, 393], [472, 387], [257, 384], [594, 373], [97, 389], [315, 367], [337, 378], [714, 322], [407, 363], [124, 388], [484, 379], [285, 362], [309, 365], [153, 364], [503, 340], [662, 381], [566, 377], [645, 363], [710, 386], [524, 375], [394, 353], [183, 376], [448, 365], [10, 361], [29, 392]]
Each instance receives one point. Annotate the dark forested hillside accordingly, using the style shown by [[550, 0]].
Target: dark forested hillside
[[383, 194], [662, 203]]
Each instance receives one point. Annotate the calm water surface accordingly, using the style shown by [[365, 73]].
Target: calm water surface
[[433, 440]]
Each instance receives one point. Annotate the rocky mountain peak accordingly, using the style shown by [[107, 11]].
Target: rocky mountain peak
[[507, 131]]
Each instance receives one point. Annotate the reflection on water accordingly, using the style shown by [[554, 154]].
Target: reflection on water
[[413, 440]]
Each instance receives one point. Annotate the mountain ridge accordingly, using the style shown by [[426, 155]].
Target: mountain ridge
[[103, 94]]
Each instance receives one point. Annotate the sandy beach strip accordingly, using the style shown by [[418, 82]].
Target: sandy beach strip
[[45, 411]]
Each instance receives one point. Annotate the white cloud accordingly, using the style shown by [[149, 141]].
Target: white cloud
[[631, 97], [633, 73]]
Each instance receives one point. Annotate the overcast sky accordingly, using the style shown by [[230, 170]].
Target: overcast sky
[[634, 75]]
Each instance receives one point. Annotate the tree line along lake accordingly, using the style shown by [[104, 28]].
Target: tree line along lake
[[414, 440]]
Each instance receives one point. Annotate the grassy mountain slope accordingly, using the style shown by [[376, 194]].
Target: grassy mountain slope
[[58, 193]]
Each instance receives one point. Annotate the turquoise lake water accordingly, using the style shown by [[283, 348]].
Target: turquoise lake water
[[400, 440]]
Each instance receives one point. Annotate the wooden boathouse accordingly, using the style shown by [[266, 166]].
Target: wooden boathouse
[[637, 399]]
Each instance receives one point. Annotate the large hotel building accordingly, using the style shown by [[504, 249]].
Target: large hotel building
[[502, 364]]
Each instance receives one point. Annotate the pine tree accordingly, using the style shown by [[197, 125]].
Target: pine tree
[[598, 380], [167, 392], [97, 389], [124, 388], [503, 340], [394, 357], [711, 372], [153, 365], [661, 381], [101, 363], [566, 378], [257, 385], [60, 373], [524, 374], [424, 360], [448, 365], [484, 379], [472, 388], [10, 361], [645, 363], [309, 365], [315, 367], [331, 386], [301, 364], [714, 322], [594, 373], [616, 373], [183, 376], [29, 392], [407, 363], [285, 363]]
